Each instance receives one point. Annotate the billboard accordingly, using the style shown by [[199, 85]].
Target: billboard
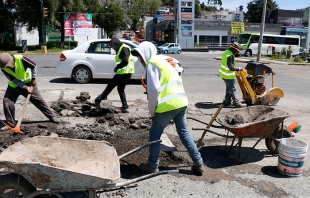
[[78, 24]]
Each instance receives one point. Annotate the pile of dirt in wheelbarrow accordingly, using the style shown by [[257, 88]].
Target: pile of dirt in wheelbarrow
[[250, 114], [123, 130]]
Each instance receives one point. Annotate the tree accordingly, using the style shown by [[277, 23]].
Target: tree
[[139, 7], [197, 10], [306, 14], [6, 17], [241, 7], [109, 17], [255, 10], [215, 4]]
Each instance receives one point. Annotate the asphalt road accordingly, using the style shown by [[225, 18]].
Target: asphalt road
[[256, 177]]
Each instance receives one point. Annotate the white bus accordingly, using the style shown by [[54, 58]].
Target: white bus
[[249, 43]]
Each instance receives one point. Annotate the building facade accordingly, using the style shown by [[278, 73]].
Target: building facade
[[215, 29]]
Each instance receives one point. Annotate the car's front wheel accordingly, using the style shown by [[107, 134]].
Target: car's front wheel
[[82, 74], [166, 52]]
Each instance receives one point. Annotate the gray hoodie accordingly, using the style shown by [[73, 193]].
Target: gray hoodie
[[147, 50]]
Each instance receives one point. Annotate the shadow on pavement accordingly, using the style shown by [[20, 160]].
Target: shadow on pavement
[[207, 105], [216, 157], [94, 81]]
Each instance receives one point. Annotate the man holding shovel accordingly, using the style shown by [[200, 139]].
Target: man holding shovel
[[21, 73], [167, 101]]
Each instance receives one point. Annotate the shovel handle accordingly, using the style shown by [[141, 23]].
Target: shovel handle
[[23, 111], [200, 142]]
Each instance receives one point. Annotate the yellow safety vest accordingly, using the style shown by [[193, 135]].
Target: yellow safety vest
[[130, 67], [19, 73], [171, 93], [224, 71]]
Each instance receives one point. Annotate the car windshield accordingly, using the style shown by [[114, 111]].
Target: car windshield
[[164, 45]]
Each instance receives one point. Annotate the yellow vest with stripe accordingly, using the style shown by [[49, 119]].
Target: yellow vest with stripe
[[224, 71], [171, 93], [130, 67], [19, 73]]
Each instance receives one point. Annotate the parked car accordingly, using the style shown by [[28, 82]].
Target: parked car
[[169, 48], [95, 59], [155, 43]]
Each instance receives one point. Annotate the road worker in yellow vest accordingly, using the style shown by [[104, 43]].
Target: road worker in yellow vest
[[123, 73], [227, 73], [21, 73], [167, 101]]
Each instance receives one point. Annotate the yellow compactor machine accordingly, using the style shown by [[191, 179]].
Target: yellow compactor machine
[[253, 87]]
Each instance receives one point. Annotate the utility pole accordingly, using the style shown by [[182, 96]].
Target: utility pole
[[262, 26], [308, 38], [42, 23]]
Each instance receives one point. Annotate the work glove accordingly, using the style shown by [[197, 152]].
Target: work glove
[[115, 69]]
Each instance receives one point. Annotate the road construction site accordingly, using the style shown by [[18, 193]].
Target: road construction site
[[256, 176]]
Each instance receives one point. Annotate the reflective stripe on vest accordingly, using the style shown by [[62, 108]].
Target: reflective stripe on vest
[[19, 73], [171, 92], [224, 71], [130, 67]]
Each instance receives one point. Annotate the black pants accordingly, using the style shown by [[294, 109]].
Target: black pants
[[10, 97], [119, 80]]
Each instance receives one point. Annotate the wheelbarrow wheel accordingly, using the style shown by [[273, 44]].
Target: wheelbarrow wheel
[[14, 186], [273, 143]]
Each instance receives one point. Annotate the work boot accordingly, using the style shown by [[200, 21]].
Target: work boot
[[198, 169], [239, 104], [148, 168], [54, 119], [125, 109], [97, 103]]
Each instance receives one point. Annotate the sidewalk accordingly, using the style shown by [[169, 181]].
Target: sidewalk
[[265, 61]]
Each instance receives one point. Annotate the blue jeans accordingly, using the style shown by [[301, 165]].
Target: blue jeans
[[231, 87], [160, 121]]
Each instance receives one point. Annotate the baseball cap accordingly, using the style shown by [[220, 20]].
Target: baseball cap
[[6, 60]]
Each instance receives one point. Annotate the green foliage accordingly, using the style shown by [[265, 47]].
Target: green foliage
[[283, 51], [298, 59], [109, 17], [255, 10], [215, 3], [197, 10]]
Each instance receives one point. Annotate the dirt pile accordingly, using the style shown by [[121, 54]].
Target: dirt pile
[[124, 131], [251, 114]]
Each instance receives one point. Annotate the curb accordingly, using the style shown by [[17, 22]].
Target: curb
[[264, 61]]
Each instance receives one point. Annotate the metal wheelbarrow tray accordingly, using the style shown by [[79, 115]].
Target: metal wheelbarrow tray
[[64, 164], [251, 122]]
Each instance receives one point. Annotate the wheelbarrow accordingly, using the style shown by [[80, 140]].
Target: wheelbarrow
[[51, 165], [263, 122]]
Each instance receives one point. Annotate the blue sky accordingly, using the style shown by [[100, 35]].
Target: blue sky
[[283, 4]]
